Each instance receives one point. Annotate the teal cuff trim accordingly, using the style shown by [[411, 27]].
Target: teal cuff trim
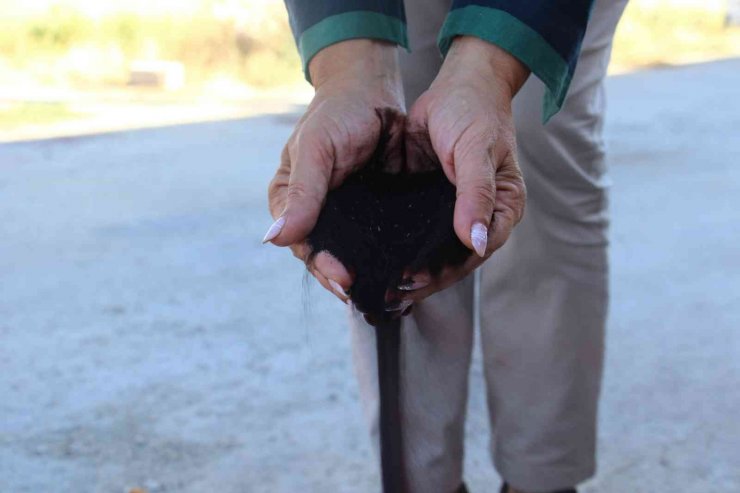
[[519, 40], [350, 25]]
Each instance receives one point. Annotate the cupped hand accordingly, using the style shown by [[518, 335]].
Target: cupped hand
[[466, 117], [337, 134]]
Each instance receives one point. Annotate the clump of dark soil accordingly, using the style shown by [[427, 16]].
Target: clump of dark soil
[[380, 224]]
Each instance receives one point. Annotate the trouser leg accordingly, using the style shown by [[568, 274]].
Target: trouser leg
[[420, 66], [544, 294]]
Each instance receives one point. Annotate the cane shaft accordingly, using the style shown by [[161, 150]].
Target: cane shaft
[[388, 338]]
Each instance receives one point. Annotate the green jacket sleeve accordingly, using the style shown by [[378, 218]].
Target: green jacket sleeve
[[317, 24], [545, 35]]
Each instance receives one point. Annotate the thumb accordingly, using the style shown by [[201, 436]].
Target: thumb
[[310, 172], [476, 193]]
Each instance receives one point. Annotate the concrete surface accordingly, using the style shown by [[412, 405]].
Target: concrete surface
[[148, 339]]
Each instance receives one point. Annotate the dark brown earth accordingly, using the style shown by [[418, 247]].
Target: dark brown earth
[[381, 224]]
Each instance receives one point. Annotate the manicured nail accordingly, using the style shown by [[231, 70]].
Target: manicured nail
[[338, 289], [412, 284], [479, 238], [400, 306], [274, 230]]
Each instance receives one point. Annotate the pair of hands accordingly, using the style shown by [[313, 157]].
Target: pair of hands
[[466, 113]]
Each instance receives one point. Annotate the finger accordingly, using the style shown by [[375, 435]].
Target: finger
[[399, 307], [511, 197], [326, 269], [276, 196], [328, 286], [446, 278], [476, 192], [305, 190], [500, 232], [335, 273], [279, 184], [394, 296], [413, 281], [394, 302]]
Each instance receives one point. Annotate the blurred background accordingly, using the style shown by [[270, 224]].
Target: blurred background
[[131, 63], [150, 343], [144, 62]]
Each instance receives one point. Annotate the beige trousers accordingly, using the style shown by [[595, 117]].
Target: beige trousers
[[543, 296]]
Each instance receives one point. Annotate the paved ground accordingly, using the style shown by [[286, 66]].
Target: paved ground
[[148, 339]]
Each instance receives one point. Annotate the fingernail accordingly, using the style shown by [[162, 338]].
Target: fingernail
[[412, 284], [400, 306], [479, 238], [274, 230], [338, 289]]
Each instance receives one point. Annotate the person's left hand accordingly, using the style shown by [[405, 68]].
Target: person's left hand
[[466, 115]]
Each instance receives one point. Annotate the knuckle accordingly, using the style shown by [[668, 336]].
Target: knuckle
[[522, 200], [515, 187], [520, 191], [518, 186]]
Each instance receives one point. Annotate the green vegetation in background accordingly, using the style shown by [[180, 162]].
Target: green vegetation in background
[[59, 31], [207, 46], [672, 34], [65, 45]]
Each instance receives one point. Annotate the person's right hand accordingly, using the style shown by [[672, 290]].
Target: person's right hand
[[338, 133], [465, 118]]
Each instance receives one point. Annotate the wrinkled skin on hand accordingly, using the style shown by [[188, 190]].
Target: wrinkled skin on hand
[[466, 114], [464, 119]]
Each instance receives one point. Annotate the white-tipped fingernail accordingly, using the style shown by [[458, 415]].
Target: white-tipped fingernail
[[479, 238], [338, 289], [401, 306], [274, 230], [413, 285]]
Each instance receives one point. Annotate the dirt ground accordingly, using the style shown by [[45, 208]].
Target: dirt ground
[[148, 339]]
